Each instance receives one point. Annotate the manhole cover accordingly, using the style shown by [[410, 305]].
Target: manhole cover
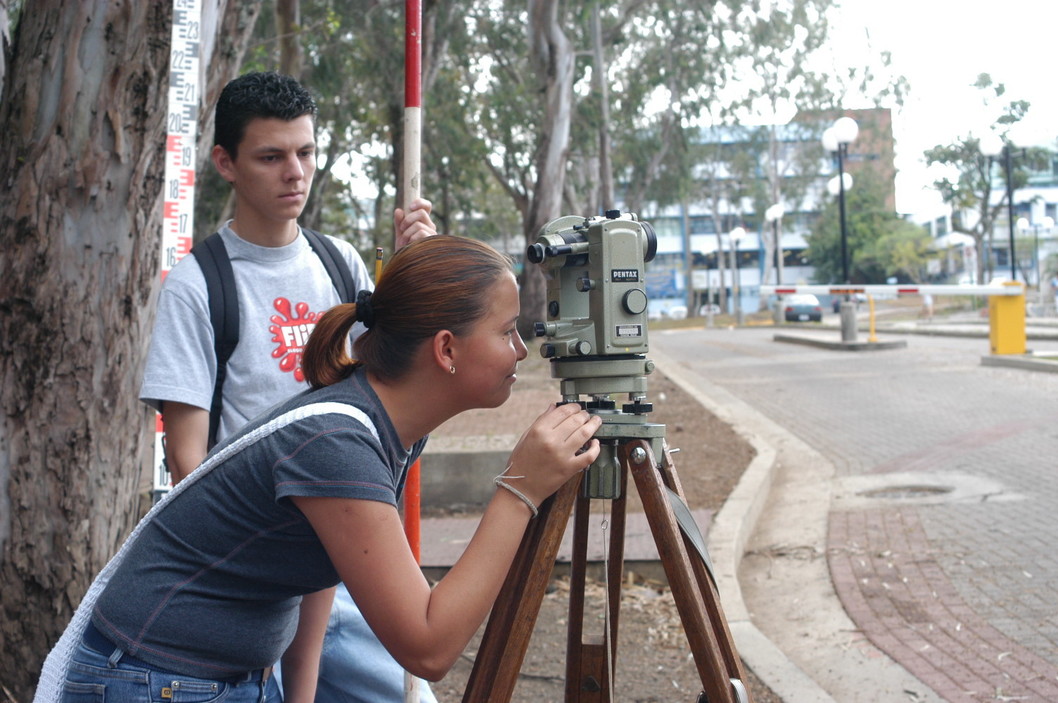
[[896, 492]]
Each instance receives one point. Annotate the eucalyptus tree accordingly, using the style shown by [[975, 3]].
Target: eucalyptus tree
[[533, 106], [83, 117]]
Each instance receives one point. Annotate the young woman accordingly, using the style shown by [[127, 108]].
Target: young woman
[[235, 568]]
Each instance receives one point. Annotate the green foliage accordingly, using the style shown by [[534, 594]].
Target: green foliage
[[353, 63], [880, 243], [669, 65]]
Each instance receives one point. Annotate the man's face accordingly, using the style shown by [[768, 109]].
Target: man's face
[[272, 174]]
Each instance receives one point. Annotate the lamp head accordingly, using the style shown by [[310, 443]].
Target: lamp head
[[834, 186], [845, 130], [830, 140]]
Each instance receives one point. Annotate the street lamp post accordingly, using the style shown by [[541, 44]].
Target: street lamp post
[[836, 140], [736, 236]]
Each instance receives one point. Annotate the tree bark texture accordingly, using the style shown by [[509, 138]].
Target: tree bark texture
[[82, 162], [552, 59], [5, 41], [83, 155]]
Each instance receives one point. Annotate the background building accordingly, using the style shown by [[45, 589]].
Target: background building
[[740, 173]]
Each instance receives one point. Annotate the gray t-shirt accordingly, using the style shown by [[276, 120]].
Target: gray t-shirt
[[282, 292], [211, 587]]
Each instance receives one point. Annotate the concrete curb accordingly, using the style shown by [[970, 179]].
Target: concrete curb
[[728, 535], [841, 345], [1026, 362]]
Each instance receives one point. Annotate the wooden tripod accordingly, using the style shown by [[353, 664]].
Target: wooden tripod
[[589, 663]]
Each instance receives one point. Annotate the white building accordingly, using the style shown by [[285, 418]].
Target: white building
[[787, 166]]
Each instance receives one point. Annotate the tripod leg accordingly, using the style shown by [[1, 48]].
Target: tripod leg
[[707, 586], [697, 602], [513, 616], [589, 658]]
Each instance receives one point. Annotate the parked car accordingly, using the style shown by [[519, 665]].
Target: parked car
[[803, 307]]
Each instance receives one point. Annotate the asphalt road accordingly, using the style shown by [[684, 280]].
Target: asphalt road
[[934, 479]]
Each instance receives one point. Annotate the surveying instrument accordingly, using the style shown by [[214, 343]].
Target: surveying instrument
[[596, 338]]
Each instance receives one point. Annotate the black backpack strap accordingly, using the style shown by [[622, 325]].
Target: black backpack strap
[[213, 259], [336, 266]]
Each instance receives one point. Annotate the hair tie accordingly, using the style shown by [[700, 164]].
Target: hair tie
[[364, 311]]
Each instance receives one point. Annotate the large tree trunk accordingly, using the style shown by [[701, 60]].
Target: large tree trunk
[[551, 55], [82, 157]]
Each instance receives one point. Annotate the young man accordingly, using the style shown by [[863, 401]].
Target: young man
[[265, 147]]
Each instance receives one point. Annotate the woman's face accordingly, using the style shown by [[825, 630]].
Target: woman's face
[[488, 356]]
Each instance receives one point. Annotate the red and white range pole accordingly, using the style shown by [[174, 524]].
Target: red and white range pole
[[412, 183]]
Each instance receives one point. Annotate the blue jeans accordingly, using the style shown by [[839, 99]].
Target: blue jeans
[[355, 667], [115, 677]]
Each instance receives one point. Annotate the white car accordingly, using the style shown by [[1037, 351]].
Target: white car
[[803, 307]]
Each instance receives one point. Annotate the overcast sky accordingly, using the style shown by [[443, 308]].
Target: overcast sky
[[941, 46]]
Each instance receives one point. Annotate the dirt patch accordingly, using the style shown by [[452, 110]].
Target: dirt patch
[[653, 663]]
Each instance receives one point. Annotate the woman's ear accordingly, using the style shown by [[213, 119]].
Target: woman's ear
[[443, 350]]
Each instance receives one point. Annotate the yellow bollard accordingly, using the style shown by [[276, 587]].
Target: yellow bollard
[[1006, 321], [872, 337]]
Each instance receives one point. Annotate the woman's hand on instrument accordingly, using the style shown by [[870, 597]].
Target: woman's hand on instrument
[[557, 446]]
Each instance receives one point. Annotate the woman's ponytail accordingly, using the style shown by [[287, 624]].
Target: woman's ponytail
[[325, 360], [437, 283]]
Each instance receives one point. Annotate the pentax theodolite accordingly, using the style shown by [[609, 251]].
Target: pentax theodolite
[[596, 338], [596, 327]]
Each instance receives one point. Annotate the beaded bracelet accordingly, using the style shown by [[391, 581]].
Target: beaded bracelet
[[499, 481]]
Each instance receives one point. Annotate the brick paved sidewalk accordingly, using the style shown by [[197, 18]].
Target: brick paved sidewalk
[[886, 573], [959, 589]]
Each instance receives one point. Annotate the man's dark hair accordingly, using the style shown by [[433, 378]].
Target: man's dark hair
[[256, 95]]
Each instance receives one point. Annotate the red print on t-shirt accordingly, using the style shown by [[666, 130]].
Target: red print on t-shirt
[[290, 331]]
